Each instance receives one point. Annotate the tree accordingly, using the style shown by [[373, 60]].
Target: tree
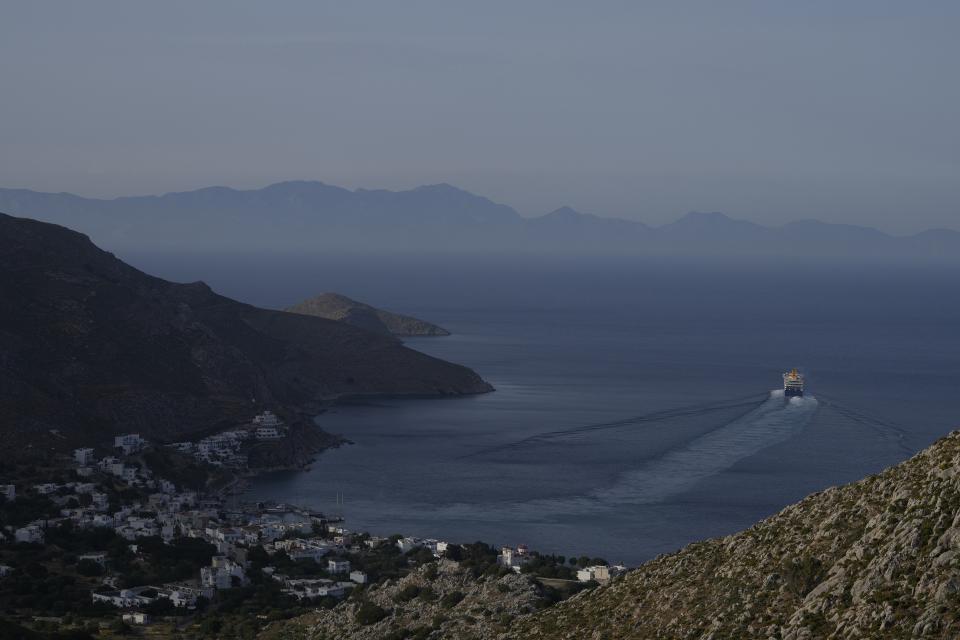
[[452, 599], [369, 613], [89, 568]]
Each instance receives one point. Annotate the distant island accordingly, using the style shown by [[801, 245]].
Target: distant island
[[334, 306]]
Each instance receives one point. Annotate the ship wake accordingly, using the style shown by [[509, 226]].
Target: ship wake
[[674, 472], [678, 470], [693, 410]]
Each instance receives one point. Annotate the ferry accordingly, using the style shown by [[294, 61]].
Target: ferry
[[792, 384]]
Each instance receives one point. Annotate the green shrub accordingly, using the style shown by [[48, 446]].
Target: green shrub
[[407, 594], [369, 613], [451, 600]]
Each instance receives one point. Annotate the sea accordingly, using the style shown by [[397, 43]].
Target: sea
[[638, 404]]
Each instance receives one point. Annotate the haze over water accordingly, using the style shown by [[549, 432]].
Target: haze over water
[[636, 407]]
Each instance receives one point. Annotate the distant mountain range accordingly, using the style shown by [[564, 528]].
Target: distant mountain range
[[308, 216]]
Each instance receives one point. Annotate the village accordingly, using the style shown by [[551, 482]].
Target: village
[[135, 517]]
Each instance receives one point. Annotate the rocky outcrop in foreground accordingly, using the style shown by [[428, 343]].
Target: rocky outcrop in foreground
[[334, 306], [435, 601], [91, 347], [879, 558]]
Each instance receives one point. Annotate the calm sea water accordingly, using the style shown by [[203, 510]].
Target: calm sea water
[[635, 408]]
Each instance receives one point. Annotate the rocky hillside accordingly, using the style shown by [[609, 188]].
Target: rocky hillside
[[90, 346], [334, 306], [436, 601], [879, 558]]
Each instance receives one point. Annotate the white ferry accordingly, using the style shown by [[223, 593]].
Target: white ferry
[[792, 384]]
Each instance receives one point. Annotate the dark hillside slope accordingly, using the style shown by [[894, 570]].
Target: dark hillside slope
[[90, 346]]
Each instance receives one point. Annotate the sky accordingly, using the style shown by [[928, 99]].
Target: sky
[[768, 111]]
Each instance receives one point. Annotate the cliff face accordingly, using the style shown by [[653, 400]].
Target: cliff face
[[334, 306], [879, 558], [90, 346]]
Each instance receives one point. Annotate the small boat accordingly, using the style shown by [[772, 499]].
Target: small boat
[[793, 384]]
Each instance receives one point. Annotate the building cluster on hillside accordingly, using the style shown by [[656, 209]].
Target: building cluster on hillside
[[179, 595], [436, 547], [162, 510], [166, 512], [227, 448]]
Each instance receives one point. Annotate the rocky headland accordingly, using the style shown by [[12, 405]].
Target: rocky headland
[[334, 306], [90, 347]]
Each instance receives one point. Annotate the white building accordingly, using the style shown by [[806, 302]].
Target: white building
[[83, 457], [100, 558], [123, 598], [221, 572], [267, 419], [211, 577], [358, 576], [305, 588], [226, 534], [267, 426], [184, 597], [8, 491], [267, 433], [137, 617], [129, 443], [308, 553], [81, 488], [409, 544], [599, 573], [338, 566], [101, 501], [436, 547], [102, 520], [29, 533], [514, 558]]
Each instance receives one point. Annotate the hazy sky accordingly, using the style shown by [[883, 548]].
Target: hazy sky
[[848, 111]]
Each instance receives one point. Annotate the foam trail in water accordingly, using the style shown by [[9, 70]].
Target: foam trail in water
[[656, 416], [674, 472], [679, 470]]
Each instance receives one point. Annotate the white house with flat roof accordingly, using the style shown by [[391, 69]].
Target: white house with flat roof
[[29, 533], [129, 443], [338, 566]]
